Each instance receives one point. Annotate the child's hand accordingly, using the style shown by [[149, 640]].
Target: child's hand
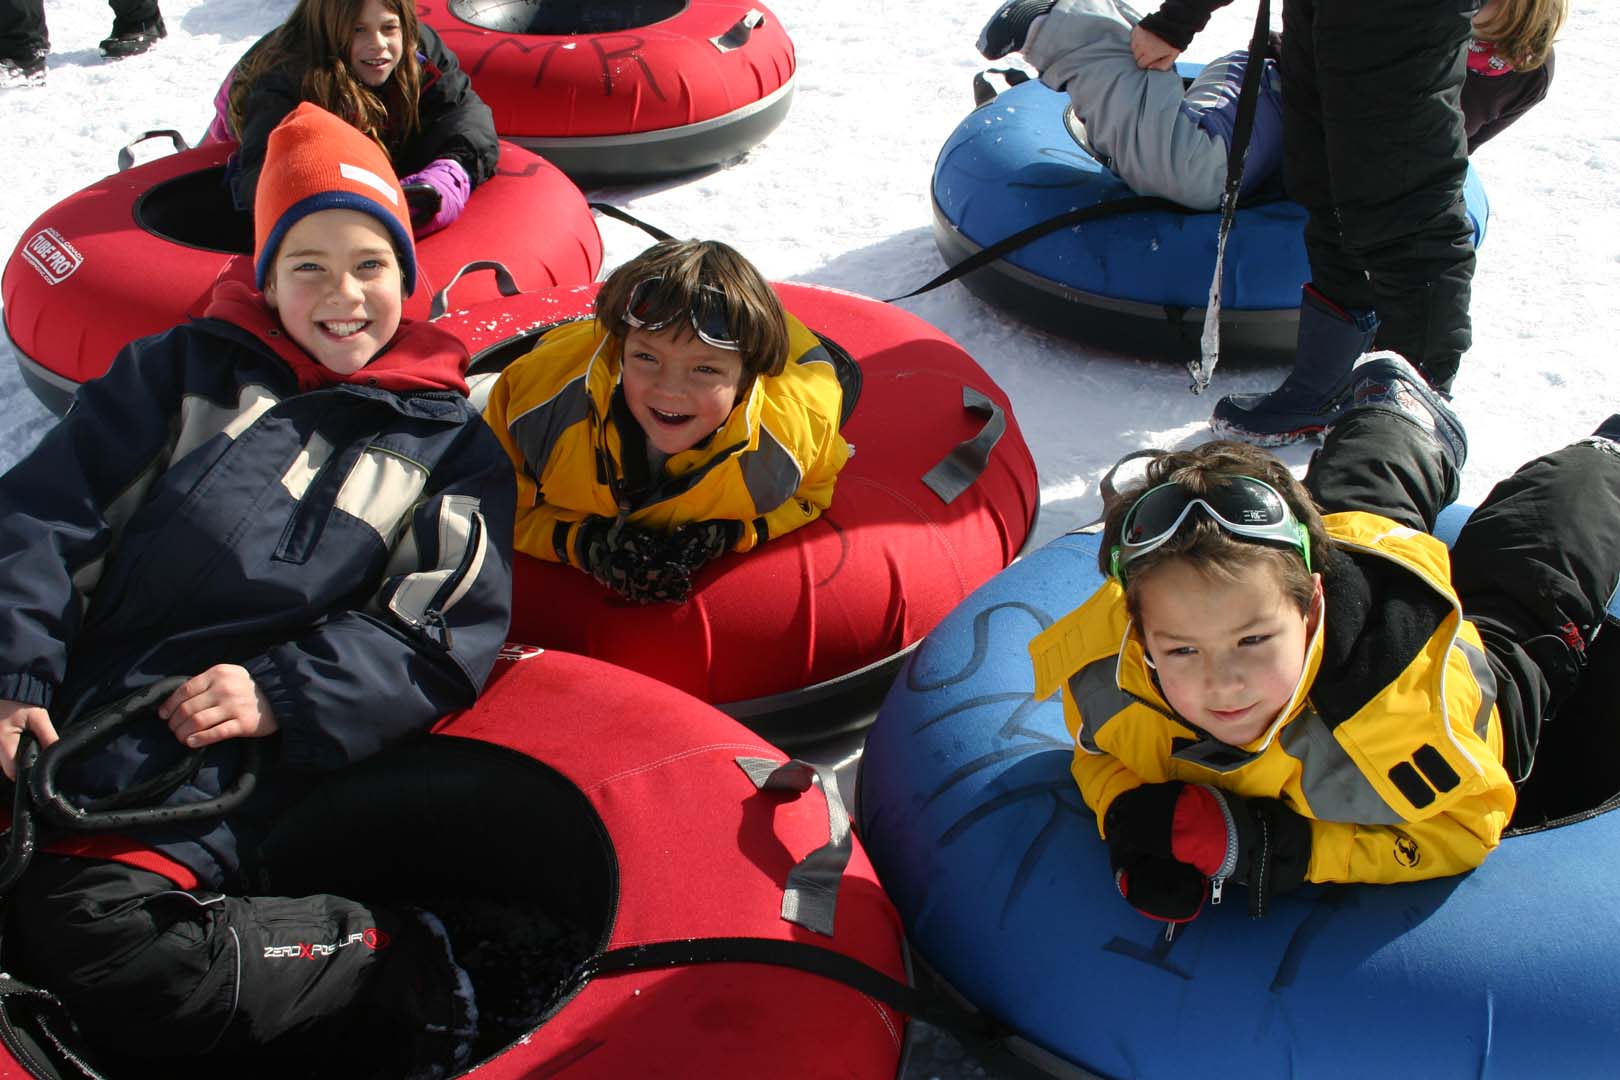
[[16, 718], [1152, 52], [222, 703]]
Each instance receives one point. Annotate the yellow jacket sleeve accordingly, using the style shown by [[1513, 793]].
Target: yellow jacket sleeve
[[1102, 779], [1445, 844], [813, 496], [535, 524]]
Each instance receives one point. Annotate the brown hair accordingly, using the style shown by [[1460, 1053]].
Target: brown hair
[[1201, 542], [314, 44], [1523, 30], [753, 312]]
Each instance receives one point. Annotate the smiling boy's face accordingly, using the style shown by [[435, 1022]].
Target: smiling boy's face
[[336, 285], [679, 388], [1229, 653]]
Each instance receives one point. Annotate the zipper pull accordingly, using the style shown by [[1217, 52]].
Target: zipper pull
[[434, 618], [1169, 932], [1215, 887]]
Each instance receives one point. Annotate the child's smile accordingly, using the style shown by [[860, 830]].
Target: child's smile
[[679, 388], [336, 286]]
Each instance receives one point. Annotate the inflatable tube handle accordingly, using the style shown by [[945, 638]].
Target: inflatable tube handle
[[740, 31], [126, 156], [984, 93], [22, 838], [966, 462], [504, 281], [810, 898], [103, 724]]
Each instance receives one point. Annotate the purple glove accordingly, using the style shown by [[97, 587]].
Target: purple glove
[[437, 195]]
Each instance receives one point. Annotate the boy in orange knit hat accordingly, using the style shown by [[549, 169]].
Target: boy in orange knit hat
[[289, 508]]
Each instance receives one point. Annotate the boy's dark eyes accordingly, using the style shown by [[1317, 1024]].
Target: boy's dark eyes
[[1255, 639]]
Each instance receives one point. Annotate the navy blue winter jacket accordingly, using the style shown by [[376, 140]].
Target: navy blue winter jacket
[[349, 546]]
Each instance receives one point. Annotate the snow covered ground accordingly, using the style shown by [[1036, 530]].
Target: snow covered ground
[[839, 195]]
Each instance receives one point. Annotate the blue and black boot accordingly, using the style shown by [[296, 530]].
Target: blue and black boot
[[1330, 339], [1385, 381]]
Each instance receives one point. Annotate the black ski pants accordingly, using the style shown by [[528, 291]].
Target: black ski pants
[[149, 970], [1374, 148], [23, 31], [1535, 566]]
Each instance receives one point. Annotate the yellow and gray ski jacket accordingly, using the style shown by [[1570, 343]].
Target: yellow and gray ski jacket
[[771, 465], [1391, 744]]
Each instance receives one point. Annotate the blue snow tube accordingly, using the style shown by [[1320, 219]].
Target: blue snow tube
[[1137, 282], [980, 837]]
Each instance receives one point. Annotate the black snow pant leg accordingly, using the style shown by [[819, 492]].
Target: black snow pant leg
[[1374, 148], [149, 970], [1382, 463], [1535, 566], [130, 14], [22, 28]]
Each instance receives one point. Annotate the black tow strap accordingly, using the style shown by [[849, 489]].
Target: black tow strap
[[1130, 204], [629, 219], [978, 1034]]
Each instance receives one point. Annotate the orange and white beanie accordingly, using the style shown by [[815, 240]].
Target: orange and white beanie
[[315, 161]]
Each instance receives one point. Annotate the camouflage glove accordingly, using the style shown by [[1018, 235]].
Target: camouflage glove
[[631, 560], [697, 542]]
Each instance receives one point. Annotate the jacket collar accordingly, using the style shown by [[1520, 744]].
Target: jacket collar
[[420, 358]]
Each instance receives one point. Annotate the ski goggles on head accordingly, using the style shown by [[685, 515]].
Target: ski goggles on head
[[652, 307], [1243, 506]]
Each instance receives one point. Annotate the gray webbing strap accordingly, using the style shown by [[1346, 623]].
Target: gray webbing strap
[[810, 898], [967, 460], [503, 281]]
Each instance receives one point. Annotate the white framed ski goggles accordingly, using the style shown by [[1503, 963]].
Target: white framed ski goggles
[[1243, 506], [652, 306]]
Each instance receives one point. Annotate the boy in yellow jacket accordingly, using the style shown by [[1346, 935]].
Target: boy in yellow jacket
[[692, 416], [1267, 696]]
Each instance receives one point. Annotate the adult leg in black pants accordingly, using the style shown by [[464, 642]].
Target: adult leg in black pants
[[1374, 149], [25, 40]]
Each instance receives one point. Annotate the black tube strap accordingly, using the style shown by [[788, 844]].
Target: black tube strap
[[979, 1034], [1130, 204], [614, 212]]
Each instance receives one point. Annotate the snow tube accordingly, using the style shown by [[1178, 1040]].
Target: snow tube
[[979, 834], [1135, 282], [618, 808], [823, 612], [140, 250], [625, 90]]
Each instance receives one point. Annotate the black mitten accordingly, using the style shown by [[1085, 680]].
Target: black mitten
[[1162, 889]]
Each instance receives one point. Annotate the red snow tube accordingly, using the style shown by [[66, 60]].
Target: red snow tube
[[618, 90], [140, 250], [615, 807], [827, 610]]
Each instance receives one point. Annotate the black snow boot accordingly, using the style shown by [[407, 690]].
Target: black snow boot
[[1330, 339], [27, 69], [134, 38]]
